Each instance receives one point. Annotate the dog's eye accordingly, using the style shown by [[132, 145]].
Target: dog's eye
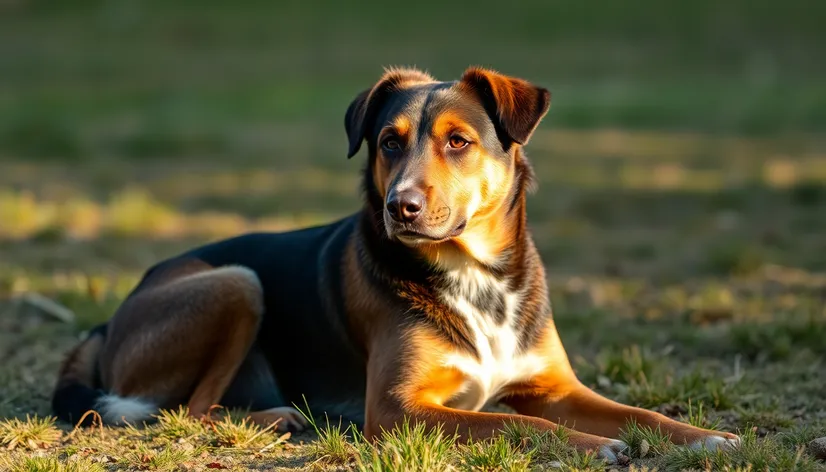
[[457, 142], [391, 144]]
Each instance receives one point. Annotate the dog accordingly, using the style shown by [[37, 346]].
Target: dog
[[427, 304]]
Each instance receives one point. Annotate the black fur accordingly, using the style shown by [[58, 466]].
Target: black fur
[[71, 401]]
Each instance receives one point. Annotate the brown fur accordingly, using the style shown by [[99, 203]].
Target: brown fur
[[221, 305], [79, 365]]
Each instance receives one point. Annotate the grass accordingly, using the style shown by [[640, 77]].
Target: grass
[[694, 386], [167, 457], [549, 449], [779, 339], [543, 446], [753, 454], [332, 445], [624, 366], [801, 435], [33, 433], [494, 456], [407, 448], [698, 416], [178, 425], [131, 213], [644, 441], [680, 210], [236, 431], [49, 464]]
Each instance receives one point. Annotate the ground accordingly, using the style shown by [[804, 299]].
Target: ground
[[680, 211]]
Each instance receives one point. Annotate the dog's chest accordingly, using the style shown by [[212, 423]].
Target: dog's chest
[[490, 311]]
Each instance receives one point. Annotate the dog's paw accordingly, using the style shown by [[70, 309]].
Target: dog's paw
[[607, 449], [714, 443], [611, 451], [285, 418]]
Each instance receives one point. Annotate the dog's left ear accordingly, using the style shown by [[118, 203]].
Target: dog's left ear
[[515, 105], [354, 122], [361, 114]]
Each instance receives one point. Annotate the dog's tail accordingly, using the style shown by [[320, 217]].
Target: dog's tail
[[79, 389]]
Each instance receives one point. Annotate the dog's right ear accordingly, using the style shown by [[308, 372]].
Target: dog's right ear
[[361, 114]]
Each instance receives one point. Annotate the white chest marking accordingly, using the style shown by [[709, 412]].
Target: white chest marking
[[497, 342]]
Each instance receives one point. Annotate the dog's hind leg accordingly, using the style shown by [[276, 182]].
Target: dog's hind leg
[[179, 339], [255, 388]]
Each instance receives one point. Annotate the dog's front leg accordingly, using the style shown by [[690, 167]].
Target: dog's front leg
[[416, 386], [585, 410], [557, 395], [476, 426]]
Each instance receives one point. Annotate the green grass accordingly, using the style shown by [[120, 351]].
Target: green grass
[[693, 386], [698, 416], [753, 454], [802, 435], [644, 441], [624, 366], [550, 448], [407, 448], [780, 339], [332, 445], [495, 455]]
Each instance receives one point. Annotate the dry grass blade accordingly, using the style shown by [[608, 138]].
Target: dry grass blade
[[97, 422]]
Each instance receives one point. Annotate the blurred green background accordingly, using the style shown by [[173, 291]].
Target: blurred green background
[[683, 138]]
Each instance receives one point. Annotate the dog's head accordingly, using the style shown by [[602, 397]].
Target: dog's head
[[444, 156]]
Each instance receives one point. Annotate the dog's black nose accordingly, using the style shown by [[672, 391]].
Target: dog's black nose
[[405, 206]]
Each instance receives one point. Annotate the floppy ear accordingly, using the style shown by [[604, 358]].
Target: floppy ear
[[354, 122], [361, 114], [515, 105]]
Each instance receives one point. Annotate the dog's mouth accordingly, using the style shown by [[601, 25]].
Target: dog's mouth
[[415, 237]]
